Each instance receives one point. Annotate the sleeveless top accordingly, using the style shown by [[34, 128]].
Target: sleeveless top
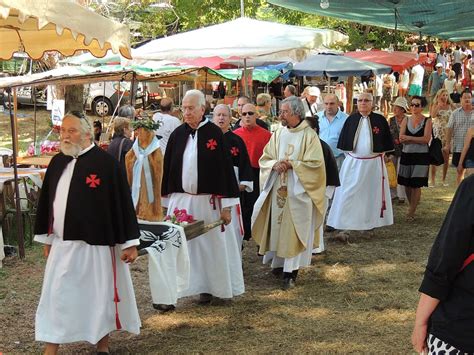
[[418, 131]]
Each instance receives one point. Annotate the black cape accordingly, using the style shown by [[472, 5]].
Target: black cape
[[99, 208], [240, 156], [332, 174], [215, 171], [445, 280], [381, 138]]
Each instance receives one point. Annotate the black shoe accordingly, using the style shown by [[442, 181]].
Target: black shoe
[[288, 283], [329, 229], [102, 353], [164, 307], [205, 298], [277, 272]]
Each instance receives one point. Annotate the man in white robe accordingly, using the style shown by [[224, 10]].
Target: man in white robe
[[87, 289], [289, 211], [363, 202], [240, 159], [198, 176]]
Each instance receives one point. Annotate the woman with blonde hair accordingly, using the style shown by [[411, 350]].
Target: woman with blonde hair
[[264, 110], [440, 111]]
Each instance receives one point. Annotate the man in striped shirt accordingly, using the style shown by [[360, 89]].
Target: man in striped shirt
[[460, 121]]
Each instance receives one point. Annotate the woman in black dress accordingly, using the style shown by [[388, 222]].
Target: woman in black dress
[[415, 134]]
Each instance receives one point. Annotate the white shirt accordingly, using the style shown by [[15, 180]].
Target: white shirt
[[457, 56], [378, 85], [168, 125], [417, 72], [405, 79]]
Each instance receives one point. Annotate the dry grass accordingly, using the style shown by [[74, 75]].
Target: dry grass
[[359, 297]]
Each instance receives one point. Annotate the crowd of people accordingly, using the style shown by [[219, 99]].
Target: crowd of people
[[282, 181]]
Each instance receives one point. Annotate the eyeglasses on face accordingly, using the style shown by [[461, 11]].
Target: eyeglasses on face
[[364, 100], [415, 104], [248, 113]]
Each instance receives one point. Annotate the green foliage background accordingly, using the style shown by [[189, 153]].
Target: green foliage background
[[149, 21]]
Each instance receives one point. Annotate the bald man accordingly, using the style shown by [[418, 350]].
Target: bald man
[[168, 123], [331, 121], [255, 139]]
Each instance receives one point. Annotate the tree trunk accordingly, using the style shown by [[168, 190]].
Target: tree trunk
[[74, 98]]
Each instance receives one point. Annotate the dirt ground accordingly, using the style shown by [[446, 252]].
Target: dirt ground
[[358, 297]]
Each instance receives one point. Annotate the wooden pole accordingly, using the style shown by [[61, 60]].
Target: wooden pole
[[246, 90], [35, 118], [350, 94], [15, 117], [19, 219]]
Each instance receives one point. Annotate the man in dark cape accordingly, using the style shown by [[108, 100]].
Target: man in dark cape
[[240, 161], [363, 202], [445, 316], [87, 222], [198, 176]]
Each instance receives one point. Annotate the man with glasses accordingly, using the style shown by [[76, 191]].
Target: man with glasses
[[87, 222], [289, 211], [331, 121], [255, 139], [241, 102], [460, 121], [363, 202]]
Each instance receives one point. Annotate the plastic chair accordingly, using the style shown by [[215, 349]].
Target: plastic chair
[[28, 202]]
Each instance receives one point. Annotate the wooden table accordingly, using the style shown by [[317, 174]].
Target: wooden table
[[41, 160], [33, 173]]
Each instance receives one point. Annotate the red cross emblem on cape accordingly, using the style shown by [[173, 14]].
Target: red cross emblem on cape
[[211, 144], [234, 151], [376, 130], [92, 181]]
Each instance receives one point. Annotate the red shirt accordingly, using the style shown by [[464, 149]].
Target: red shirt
[[255, 139]]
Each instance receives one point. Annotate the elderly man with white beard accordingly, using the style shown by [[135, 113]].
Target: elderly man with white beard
[[87, 222]]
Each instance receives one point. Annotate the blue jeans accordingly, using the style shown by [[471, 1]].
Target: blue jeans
[[469, 164]]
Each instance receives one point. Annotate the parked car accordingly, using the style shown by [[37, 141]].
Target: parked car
[[103, 101], [21, 64]]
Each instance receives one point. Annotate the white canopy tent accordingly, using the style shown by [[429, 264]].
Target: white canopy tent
[[244, 38]]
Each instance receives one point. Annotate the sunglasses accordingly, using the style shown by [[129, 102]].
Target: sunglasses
[[248, 113], [415, 105]]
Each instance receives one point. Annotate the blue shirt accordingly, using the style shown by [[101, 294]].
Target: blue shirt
[[330, 131]]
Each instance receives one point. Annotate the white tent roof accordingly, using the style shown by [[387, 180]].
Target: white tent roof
[[244, 38]]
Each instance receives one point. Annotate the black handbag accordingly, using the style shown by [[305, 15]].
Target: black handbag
[[436, 151]]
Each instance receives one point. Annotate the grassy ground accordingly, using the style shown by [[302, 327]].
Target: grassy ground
[[359, 297]]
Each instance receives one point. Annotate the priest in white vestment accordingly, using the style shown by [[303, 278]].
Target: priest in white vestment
[[363, 201], [198, 176], [87, 222], [289, 211]]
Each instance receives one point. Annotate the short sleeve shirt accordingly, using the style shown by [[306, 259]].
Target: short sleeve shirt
[[460, 121]]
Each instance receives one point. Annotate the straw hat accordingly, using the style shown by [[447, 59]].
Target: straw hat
[[401, 102]]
